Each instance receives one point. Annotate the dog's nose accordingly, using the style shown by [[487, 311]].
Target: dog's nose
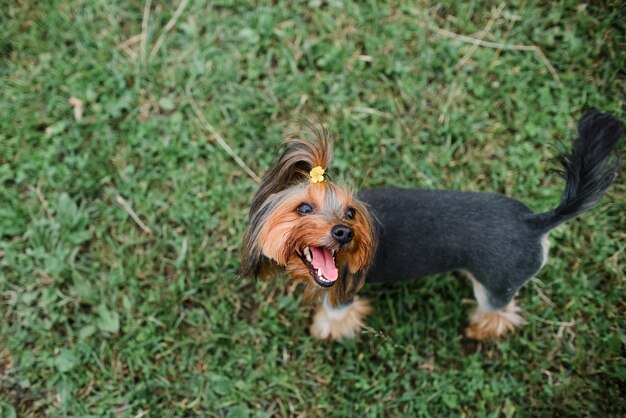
[[343, 234]]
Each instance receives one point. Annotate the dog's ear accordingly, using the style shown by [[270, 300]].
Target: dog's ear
[[298, 158], [253, 262]]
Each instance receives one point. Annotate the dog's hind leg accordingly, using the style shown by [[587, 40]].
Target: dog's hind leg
[[496, 314], [495, 289]]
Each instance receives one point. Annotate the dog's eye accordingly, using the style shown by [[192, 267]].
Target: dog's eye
[[350, 213], [304, 209]]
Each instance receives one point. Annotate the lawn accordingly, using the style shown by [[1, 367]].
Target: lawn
[[122, 209]]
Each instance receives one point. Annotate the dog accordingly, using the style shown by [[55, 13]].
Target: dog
[[333, 240]]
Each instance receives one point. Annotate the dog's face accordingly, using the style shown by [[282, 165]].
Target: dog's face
[[319, 232], [315, 230]]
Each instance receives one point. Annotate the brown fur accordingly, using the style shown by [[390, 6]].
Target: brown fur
[[486, 325], [285, 232]]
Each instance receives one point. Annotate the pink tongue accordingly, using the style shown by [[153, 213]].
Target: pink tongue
[[323, 259]]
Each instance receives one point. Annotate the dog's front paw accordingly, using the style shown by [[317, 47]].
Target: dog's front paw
[[336, 323]]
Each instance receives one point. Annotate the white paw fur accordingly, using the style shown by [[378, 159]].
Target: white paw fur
[[336, 323]]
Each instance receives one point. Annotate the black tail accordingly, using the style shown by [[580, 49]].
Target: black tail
[[589, 169]]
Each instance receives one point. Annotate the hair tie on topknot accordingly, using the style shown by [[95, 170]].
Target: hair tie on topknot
[[317, 175]]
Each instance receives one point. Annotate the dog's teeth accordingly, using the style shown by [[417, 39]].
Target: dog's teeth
[[307, 254]]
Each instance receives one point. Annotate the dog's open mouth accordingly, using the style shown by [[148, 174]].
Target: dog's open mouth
[[321, 264]]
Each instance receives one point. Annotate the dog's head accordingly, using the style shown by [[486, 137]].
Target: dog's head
[[300, 220]]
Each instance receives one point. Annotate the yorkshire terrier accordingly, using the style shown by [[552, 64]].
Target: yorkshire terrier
[[333, 241]]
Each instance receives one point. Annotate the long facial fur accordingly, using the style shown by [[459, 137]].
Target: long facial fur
[[276, 232]]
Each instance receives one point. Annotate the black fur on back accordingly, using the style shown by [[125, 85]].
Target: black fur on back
[[589, 169]]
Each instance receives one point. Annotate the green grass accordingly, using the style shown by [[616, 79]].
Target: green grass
[[100, 318]]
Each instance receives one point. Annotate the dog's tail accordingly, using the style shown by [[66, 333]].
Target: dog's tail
[[589, 169]]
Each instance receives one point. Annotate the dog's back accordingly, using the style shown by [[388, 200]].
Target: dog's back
[[423, 232]]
